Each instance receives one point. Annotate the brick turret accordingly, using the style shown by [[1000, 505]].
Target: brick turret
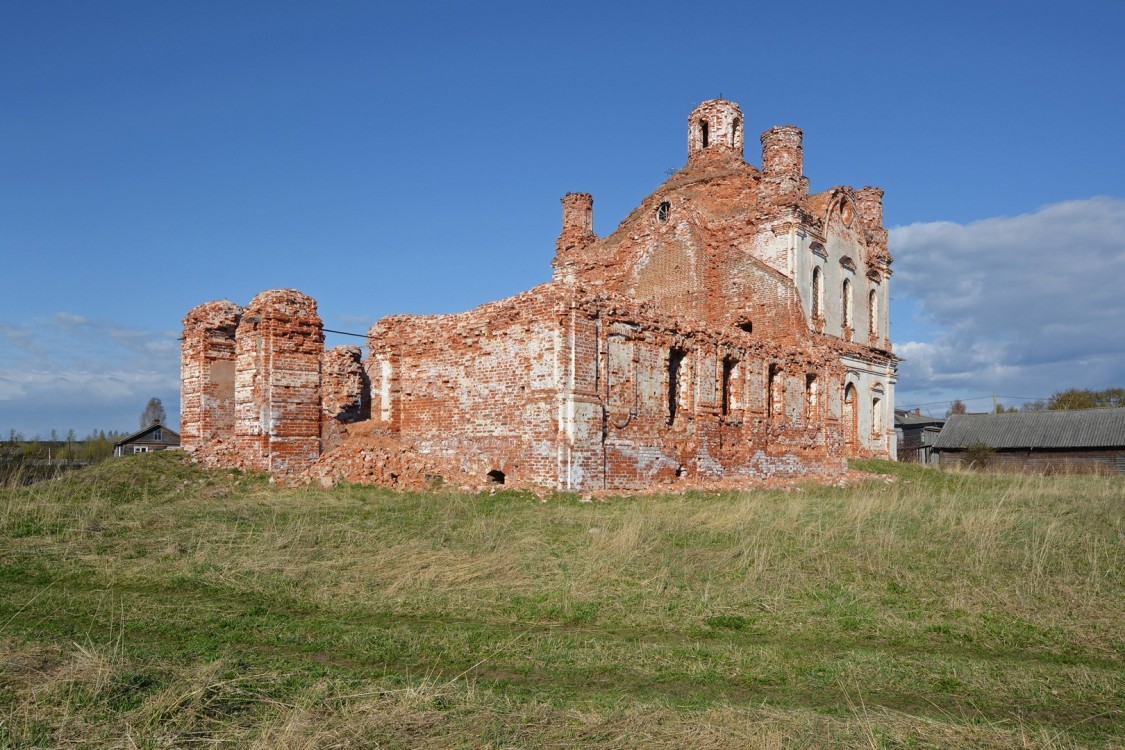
[[716, 123], [782, 163], [577, 232]]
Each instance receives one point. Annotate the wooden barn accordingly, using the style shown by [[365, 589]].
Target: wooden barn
[[1079, 441]]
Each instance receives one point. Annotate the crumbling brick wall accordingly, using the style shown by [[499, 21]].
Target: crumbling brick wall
[[562, 387], [345, 393], [279, 344], [207, 353], [480, 386]]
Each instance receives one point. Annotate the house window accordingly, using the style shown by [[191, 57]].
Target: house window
[[675, 361], [846, 300], [817, 292], [775, 392], [140, 449], [157, 434], [812, 399]]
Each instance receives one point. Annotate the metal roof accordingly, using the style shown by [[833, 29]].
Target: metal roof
[[136, 435], [916, 420], [1079, 428]]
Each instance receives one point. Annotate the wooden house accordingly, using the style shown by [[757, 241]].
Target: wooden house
[[155, 437]]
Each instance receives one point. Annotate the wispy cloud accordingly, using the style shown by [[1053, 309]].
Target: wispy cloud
[[1024, 303], [67, 370]]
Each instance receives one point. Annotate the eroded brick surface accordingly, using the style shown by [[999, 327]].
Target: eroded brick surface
[[207, 373], [733, 326], [345, 393], [279, 343]]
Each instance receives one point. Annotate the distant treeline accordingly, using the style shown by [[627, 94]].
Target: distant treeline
[[1079, 398], [1073, 398], [31, 460]]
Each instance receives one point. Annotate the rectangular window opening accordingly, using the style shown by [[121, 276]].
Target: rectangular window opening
[[775, 402], [730, 377], [812, 399], [675, 361]]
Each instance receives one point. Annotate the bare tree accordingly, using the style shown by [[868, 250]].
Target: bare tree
[[153, 413], [957, 407]]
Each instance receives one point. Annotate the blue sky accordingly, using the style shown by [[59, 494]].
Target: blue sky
[[409, 157]]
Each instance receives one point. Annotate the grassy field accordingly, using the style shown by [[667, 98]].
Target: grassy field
[[147, 603]]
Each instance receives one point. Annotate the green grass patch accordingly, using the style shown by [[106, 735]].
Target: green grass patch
[[150, 603]]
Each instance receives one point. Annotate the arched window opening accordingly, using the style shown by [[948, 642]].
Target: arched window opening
[[495, 477], [850, 424], [675, 362], [846, 295], [873, 314], [662, 212], [817, 292], [775, 393], [704, 133], [734, 132], [877, 416]]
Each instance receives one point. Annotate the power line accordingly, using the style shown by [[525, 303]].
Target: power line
[[345, 333], [326, 330], [975, 398]]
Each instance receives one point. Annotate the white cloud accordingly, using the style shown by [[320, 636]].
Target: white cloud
[[68, 371], [1029, 303]]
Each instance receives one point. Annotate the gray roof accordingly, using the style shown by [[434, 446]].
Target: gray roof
[[1080, 428], [916, 420]]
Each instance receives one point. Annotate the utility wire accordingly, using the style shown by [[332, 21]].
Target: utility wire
[[326, 330], [345, 333], [975, 398]]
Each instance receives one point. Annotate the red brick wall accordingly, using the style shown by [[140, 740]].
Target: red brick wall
[[207, 373], [279, 345]]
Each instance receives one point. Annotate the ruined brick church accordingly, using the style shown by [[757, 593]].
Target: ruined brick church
[[733, 326]]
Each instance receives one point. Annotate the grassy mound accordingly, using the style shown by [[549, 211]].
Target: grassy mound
[[146, 602]]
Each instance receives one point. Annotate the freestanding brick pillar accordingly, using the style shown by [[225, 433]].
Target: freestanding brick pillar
[[207, 374], [279, 344]]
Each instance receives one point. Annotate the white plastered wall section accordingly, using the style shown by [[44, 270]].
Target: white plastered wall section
[[795, 252], [875, 424], [789, 249]]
